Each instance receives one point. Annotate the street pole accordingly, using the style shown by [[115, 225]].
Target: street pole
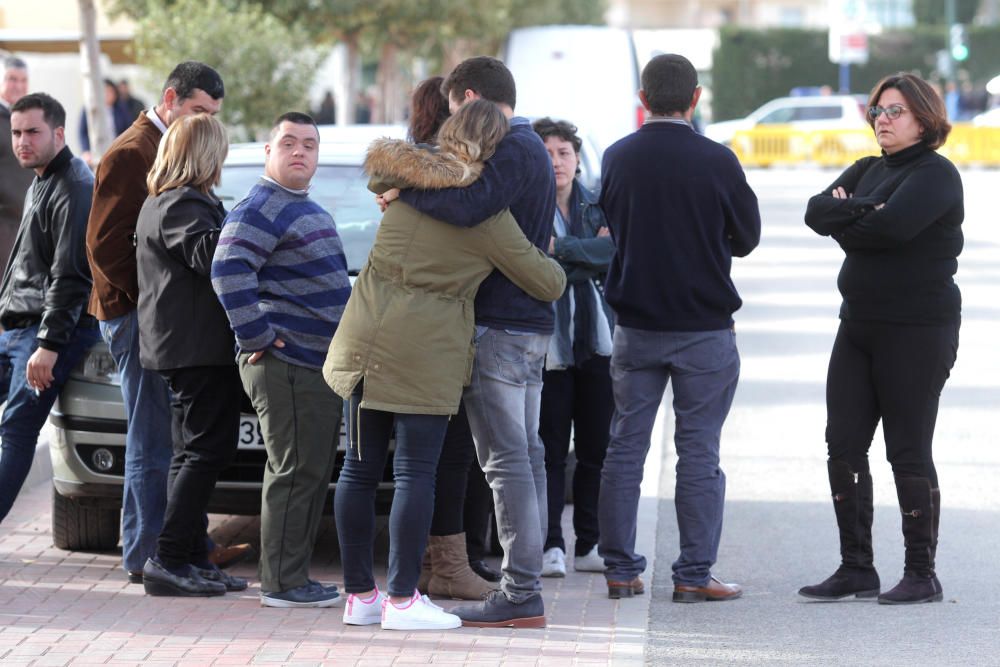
[[845, 78], [93, 89]]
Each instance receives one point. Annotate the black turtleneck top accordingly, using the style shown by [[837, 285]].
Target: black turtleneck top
[[901, 257]]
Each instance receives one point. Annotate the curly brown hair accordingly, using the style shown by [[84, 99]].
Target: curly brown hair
[[922, 101]]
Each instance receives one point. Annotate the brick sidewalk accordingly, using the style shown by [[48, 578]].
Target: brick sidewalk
[[74, 608]]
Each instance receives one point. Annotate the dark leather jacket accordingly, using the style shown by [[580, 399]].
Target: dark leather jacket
[[48, 279]]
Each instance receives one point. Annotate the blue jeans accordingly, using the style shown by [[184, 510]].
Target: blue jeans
[[148, 443], [414, 466], [26, 413], [503, 403], [705, 368]]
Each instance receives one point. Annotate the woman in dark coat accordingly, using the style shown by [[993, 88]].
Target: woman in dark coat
[[185, 336], [898, 218]]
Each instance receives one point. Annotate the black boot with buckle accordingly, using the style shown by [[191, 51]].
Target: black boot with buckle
[[919, 582], [852, 503]]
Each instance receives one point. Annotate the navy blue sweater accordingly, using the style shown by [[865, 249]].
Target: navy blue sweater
[[678, 207], [519, 177]]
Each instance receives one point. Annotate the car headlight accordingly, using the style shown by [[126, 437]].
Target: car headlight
[[97, 365]]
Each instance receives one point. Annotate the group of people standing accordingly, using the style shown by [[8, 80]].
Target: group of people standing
[[449, 341]]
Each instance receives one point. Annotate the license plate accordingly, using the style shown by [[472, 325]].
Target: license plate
[[250, 436]]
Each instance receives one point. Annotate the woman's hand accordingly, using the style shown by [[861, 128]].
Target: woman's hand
[[383, 200], [841, 193]]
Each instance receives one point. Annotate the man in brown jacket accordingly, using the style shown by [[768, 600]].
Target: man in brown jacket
[[119, 191]]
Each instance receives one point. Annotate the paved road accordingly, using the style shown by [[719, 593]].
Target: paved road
[[780, 532]]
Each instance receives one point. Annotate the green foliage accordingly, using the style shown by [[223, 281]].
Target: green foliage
[[751, 67], [931, 12], [267, 66]]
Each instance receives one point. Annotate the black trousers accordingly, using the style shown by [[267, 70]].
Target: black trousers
[[893, 373], [457, 496], [578, 400], [207, 416]]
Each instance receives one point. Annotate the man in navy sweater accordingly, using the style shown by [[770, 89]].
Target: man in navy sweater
[[512, 334], [679, 208]]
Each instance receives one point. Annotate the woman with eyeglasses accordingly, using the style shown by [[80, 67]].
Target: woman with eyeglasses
[[898, 218]]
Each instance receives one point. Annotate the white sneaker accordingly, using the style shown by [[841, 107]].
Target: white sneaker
[[554, 563], [592, 562], [417, 614], [364, 612]]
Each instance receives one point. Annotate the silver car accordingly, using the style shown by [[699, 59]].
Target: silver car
[[88, 448]]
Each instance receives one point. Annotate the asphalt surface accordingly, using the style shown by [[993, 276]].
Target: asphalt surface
[[780, 532]]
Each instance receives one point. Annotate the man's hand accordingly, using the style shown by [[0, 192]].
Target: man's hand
[[387, 198], [39, 372], [255, 357], [552, 245], [603, 231]]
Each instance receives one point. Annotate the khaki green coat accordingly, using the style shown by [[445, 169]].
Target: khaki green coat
[[409, 325]]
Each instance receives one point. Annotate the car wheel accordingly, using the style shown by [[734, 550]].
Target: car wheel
[[80, 527]]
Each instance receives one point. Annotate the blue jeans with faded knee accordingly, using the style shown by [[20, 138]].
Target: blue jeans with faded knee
[[26, 412]]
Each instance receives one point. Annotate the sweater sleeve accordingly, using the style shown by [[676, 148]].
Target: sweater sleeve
[[247, 240], [926, 194], [742, 213], [500, 184], [826, 214]]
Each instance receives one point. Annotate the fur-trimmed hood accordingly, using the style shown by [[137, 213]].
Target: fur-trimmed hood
[[408, 165]]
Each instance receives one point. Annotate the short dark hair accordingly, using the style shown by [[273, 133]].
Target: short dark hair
[[546, 127], [487, 77], [428, 110], [295, 117], [193, 75], [12, 62], [922, 101], [669, 81], [52, 112]]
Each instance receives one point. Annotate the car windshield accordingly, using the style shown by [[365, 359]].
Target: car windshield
[[341, 190]]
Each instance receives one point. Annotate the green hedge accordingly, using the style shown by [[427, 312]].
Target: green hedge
[[751, 67]]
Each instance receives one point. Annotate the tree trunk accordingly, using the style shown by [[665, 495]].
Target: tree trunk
[[348, 102], [98, 122], [391, 105]]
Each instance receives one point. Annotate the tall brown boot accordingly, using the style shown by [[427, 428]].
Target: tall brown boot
[[451, 575], [426, 567]]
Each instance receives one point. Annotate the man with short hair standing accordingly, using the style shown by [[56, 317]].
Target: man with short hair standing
[[679, 208], [14, 180], [119, 192], [45, 287], [512, 335], [281, 275]]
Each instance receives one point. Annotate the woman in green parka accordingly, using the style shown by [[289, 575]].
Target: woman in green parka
[[403, 352]]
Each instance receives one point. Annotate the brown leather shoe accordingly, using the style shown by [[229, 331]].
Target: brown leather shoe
[[713, 591], [625, 589], [223, 557]]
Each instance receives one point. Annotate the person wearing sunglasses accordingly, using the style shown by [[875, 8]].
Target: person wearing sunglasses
[[898, 218]]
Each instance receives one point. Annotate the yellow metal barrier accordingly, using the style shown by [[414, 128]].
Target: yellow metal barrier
[[772, 145]]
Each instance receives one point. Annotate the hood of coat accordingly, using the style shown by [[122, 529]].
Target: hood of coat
[[399, 161]]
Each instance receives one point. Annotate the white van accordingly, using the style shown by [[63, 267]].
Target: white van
[[587, 75]]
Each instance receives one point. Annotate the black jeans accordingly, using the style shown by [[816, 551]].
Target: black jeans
[[577, 400], [414, 464], [455, 469], [892, 372], [207, 416]]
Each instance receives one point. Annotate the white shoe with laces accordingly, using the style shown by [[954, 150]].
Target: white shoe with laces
[[554, 563], [418, 613], [368, 611], [592, 562]]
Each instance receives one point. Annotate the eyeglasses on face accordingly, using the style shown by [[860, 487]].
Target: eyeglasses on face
[[891, 112]]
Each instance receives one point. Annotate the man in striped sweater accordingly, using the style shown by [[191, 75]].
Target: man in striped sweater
[[281, 275]]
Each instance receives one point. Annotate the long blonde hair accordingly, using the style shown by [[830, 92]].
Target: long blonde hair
[[191, 153], [473, 132]]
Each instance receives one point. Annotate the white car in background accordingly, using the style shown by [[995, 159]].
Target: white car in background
[[825, 112], [989, 118]]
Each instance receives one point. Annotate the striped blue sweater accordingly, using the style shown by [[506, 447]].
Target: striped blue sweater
[[280, 272]]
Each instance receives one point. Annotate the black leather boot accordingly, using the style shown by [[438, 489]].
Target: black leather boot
[[852, 503], [919, 582]]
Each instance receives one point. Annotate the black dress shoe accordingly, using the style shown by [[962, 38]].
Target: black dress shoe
[[481, 568], [498, 611], [229, 581], [134, 577], [157, 580]]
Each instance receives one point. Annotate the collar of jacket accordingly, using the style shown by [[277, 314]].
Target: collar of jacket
[[585, 194], [396, 160], [57, 163]]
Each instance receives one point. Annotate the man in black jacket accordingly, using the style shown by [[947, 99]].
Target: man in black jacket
[[679, 208], [45, 287], [14, 181]]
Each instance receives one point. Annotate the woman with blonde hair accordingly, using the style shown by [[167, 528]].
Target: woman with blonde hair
[[185, 336], [404, 351]]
